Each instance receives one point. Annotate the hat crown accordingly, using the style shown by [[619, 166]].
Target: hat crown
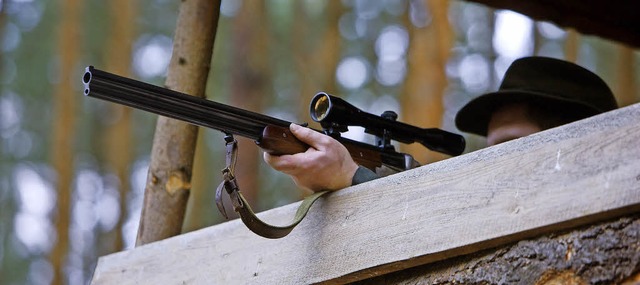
[[560, 79]]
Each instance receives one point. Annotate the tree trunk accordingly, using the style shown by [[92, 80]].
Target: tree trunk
[[426, 82], [605, 253], [200, 211], [250, 85], [538, 40], [5, 211], [316, 57], [3, 23], [329, 54], [169, 177], [64, 131], [572, 46], [118, 133], [305, 67], [626, 74]]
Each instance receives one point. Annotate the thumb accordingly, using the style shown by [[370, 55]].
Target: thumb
[[306, 135]]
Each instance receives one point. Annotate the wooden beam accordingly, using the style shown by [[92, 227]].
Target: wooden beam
[[603, 253], [619, 21], [577, 174]]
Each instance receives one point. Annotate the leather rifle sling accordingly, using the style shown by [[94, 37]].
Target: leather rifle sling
[[241, 206]]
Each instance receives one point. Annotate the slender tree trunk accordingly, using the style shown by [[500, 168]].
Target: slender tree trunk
[[316, 57], [118, 134], [64, 131], [169, 177], [330, 51], [250, 85], [538, 40], [572, 46], [626, 74], [199, 214], [303, 58], [429, 49], [3, 23], [4, 211], [494, 80]]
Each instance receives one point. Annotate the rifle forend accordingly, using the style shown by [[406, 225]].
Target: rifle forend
[[271, 134]]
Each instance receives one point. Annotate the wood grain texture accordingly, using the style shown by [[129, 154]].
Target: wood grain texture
[[577, 174], [603, 253]]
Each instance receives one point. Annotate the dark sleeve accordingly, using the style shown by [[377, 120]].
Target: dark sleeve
[[362, 175]]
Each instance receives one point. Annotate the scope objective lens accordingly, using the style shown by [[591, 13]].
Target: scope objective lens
[[321, 108]]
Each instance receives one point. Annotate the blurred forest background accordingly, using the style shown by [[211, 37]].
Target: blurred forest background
[[73, 169]]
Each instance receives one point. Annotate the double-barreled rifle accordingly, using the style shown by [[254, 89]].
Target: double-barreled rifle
[[273, 136]]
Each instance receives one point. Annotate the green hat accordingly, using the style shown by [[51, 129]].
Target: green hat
[[543, 81]]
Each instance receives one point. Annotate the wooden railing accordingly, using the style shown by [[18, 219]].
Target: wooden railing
[[575, 175]]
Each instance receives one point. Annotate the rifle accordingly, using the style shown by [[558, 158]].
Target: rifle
[[272, 134]]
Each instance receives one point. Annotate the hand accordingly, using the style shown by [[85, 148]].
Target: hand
[[326, 165]]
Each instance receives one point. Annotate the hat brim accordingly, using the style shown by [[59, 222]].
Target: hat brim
[[474, 116]]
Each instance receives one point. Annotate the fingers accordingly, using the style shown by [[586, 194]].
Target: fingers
[[275, 161], [287, 163]]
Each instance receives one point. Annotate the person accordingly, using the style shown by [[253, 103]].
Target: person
[[536, 93]]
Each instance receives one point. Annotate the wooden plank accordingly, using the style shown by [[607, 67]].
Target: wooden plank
[[618, 22], [577, 174], [603, 253]]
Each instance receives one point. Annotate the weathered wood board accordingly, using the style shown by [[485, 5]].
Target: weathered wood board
[[601, 253], [577, 174]]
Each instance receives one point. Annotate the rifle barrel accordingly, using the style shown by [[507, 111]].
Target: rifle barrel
[[195, 110]]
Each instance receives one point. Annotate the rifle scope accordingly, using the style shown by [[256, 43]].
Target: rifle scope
[[336, 114]]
